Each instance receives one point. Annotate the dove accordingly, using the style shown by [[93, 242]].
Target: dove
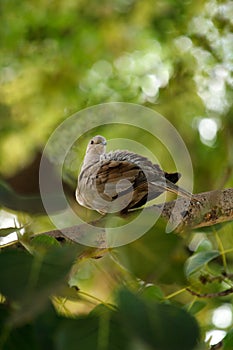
[[121, 180]]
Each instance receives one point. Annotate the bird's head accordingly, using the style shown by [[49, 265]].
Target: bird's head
[[95, 148]]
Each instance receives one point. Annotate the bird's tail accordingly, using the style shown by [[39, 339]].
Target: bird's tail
[[171, 187]]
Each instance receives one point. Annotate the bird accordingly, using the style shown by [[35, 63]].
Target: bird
[[121, 180]]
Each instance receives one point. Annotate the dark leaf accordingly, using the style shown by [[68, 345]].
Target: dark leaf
[[31, 280], [163, 327], [228, 341], [98, 331], [37, 335]]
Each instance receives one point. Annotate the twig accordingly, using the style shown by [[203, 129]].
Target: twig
[[222, 293]]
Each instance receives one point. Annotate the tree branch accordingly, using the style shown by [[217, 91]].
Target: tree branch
[[208, 208], [211, 208]]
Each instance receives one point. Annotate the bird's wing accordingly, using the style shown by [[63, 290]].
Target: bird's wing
[[122, 181], [114, 177], [121, 172]]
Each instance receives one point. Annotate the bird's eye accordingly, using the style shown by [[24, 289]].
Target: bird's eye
[[92, 142]]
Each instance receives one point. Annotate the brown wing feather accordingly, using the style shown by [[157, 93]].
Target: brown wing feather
[[121, 165], [112, 171]]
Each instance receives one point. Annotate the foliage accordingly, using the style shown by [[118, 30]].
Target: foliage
[[161, 291]]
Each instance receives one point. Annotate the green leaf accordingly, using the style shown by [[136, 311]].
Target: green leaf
[[32, 280], [161, 326], [14, 272], [152, 293], [21, 338], [228, 341], [32, 204], [197, 261], [103, 332], [80, 333], [6, 231], [36, 335], [44, 327], [99, 310], [205, 245], [196, 307], [42, 242]]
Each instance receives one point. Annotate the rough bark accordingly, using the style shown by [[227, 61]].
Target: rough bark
[[211, 208], [208, 209]]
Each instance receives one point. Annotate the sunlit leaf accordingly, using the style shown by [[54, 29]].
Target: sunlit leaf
[[152, 293], [196, 307], [6, 231], [197, 261], [43, 242]]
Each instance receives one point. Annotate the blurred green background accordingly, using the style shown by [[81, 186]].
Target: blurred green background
[[175, 57]]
